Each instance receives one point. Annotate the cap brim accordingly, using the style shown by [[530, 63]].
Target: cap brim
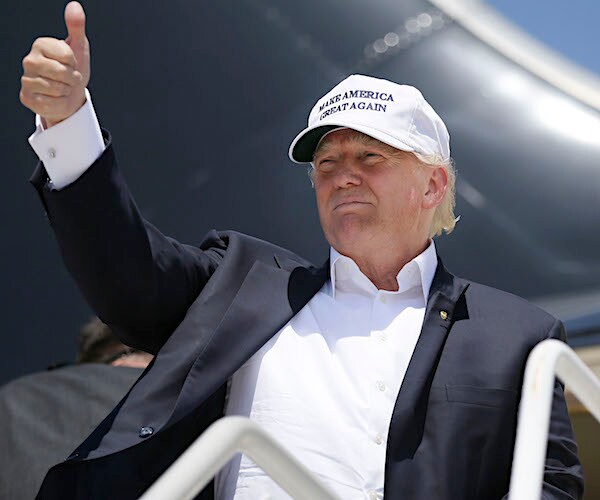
[[304, 144]]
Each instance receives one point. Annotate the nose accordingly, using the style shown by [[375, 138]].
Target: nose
[[349, 175]]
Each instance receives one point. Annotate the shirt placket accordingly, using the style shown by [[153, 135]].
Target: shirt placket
[[379, 393]]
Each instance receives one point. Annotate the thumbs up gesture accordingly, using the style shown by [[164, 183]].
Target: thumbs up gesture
[[56, 72]]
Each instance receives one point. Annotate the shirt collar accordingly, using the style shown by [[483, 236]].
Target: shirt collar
[[345, 273]]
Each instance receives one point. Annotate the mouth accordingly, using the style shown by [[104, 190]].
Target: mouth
[[350, 204]]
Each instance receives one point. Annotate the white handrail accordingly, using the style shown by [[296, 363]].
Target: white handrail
[[549, 359], [193, 470]]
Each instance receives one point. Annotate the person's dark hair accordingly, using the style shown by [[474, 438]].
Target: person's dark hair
[[98, 344]]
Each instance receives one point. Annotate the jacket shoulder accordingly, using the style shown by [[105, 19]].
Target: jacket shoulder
[[486, 301]]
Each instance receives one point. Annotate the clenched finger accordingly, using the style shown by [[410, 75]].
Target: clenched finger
[[44, 86], [52, 70], [58, 50]]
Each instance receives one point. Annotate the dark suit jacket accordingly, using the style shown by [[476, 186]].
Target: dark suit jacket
[[205, 310]]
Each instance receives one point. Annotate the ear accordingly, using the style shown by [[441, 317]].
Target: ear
[[437, 183]]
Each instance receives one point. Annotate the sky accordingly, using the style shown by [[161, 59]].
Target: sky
[[571, 27]]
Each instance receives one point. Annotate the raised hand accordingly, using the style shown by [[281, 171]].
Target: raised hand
[[56, 72]]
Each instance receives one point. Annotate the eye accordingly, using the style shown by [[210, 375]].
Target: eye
[[325, 165], [371, 155]]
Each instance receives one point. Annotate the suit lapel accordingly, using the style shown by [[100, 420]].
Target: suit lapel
[[267, 299], [409, 413]]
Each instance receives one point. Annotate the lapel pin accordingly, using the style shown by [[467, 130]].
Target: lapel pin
[[444, 315]]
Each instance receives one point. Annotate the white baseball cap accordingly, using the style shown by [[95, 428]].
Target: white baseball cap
[[397, 115]]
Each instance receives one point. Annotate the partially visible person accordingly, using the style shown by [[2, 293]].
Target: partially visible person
[[44, 416], [98, 344]]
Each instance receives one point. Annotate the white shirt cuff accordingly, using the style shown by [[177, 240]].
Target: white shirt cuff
[[70, 147]]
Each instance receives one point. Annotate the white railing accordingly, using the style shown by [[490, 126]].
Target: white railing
[[193, 470], [549, 359]]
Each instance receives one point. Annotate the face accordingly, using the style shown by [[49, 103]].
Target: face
[[370, 194]]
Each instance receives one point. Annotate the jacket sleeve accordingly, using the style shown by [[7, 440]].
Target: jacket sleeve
[[563, 474], [138, 281]]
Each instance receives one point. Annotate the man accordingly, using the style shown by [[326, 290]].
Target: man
[[381, 371], [44, 415]]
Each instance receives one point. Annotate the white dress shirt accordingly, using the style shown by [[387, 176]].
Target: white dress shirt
[[325, 385]]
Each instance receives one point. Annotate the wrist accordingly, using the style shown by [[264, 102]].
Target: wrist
[[50, 122]]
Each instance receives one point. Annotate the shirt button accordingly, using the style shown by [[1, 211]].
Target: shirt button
[[379, 439], [380, 385], [372, 495], [383, 299], [383, 337], [51, 153]]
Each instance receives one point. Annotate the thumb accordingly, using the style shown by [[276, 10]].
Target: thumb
[[75, 21]]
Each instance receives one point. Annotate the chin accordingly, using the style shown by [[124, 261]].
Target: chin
[[348, 241]]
